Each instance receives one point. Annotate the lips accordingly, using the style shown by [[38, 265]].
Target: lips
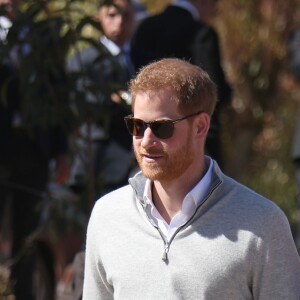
[[151, 156]]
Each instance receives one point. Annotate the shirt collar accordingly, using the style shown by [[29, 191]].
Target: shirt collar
[[113, 48], [199, 191], [5, 25], [189, 7], [147, 192], [197, 194]]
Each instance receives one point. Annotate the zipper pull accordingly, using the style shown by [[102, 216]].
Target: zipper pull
[[165, 254]]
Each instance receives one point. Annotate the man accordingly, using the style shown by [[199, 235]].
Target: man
[[108, 71], [182, 229], [181, 31]]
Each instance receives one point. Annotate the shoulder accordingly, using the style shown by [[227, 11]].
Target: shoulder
[[112, 210], [205, 32], [115, 202], [250, 206], [148, 23], [241, 213], [170, 14], [234, 199], [245, 193], [85, 56]]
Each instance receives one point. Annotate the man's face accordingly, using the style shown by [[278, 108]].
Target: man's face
[[10, 6], [162, 159], [117, 22]]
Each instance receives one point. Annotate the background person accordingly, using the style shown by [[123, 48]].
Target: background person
[[112, 152], [109, 75], [182, 228]]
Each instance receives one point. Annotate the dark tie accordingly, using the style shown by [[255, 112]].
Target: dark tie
[[126, 62]]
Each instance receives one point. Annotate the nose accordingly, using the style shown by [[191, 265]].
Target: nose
[[148, 139]]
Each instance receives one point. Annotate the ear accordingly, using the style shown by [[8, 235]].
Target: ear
[[202, 125]]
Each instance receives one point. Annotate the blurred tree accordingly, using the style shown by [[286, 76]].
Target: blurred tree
[[259, 127], [256, 59], [43, 35], [155, 6]]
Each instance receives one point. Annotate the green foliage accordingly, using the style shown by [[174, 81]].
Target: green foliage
[[271, 171], [257, 49], [43, 35], [155, 6], [259, 128]]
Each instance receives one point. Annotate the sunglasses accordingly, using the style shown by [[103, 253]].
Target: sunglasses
[[162, 129]]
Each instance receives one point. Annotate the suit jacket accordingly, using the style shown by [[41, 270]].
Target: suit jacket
[[104, 74], [174, 33], [294, 53]]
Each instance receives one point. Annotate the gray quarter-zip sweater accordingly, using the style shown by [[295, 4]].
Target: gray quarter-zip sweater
[[238, 245]]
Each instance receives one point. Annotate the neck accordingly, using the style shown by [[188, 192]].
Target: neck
[[168, 195]]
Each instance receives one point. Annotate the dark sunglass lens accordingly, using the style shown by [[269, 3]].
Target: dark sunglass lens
[[138, 127], [162, 129], [129, 125]]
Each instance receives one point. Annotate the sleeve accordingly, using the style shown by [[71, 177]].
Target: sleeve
[[276, 267], [294, 53], [95, 285], [144, 44], [87, 74], [295, 151], [206, 54]]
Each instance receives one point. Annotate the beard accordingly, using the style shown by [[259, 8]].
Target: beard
[[170, 166]]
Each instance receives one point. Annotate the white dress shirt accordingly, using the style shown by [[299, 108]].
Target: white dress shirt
[[5, 25], [189, 205]]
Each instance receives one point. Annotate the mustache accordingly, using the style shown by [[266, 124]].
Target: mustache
[[153, 152]]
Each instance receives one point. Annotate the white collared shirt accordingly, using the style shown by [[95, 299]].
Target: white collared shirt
[[189, 205], [123, 53], [113, 48], [5, 25], [189, 7]]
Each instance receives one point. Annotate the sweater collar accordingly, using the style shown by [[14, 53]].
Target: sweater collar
[[138, 182]]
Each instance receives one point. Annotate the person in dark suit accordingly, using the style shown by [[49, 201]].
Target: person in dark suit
[[181, 31], [107, 69]]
